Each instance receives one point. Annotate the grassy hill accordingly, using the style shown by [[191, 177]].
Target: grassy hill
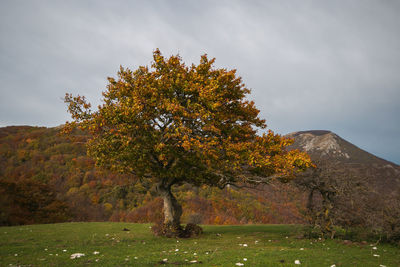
[[107, 244]]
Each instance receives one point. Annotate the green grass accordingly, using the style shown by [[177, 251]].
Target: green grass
[[267, 245]]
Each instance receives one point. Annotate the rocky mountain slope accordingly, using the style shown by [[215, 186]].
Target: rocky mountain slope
[[326, 146]]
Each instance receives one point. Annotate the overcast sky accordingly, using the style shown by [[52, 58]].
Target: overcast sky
[[332, 65]]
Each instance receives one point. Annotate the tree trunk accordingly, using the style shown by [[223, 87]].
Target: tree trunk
[[172, 211], [327, 216], [310, 208]]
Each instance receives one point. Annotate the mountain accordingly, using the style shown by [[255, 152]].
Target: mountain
[[326, 146], [321, 143]]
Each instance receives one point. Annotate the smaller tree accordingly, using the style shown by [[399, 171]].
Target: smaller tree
[[336, 197], [174, 124]]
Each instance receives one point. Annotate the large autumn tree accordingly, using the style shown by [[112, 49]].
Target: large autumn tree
[[174, 124]]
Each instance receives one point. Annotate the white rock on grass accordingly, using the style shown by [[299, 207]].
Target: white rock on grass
[[239, 264], [96, 252], [77, 255], [297, 262]]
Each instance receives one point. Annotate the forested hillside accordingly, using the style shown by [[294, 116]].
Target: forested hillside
[[46, 177]]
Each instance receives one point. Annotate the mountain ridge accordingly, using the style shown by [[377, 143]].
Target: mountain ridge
[[325, 143], [327, 147]]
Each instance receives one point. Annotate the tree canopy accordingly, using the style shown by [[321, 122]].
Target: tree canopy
[[174, 124]]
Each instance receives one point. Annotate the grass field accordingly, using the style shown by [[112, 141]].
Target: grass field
[[106, 244]]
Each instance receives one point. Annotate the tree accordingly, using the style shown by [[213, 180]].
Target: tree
[[346, 196], [336, 196], [173, 124]]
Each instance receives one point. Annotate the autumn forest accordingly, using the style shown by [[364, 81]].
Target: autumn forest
[[46, 177]]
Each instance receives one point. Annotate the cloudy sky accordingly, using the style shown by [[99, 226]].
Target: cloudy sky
[[330, 65]]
